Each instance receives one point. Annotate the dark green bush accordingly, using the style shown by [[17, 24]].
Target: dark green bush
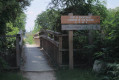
[[112, 72], [3, 64]]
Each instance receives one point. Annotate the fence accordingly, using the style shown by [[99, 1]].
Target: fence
[[10, 49]]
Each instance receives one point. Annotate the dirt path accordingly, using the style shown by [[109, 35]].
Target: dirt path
[[36, 66]]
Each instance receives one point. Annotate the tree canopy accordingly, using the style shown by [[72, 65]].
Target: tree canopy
[[50, 19], [10, 10]]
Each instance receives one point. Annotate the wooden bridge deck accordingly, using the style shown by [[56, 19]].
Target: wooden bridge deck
[[35, 60]]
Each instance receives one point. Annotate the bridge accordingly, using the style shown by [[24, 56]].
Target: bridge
[[49, 53], [58, 47], [53, 45]]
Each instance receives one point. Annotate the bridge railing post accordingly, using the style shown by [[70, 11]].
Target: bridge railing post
[[60, 50], [19, 44], [17, 50]]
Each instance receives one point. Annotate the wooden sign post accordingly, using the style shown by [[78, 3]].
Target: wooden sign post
[[71, 23], [71, 49]]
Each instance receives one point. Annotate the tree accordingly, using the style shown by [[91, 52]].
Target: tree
[[10, 10], [12, 19], [13, 28], [47, 19]]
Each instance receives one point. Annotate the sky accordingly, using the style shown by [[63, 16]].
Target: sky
[[38, 6]]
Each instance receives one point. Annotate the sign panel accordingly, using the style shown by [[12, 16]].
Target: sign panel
[[80, 19], [81, 27]]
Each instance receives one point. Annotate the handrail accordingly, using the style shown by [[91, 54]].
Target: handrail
[[21, 38], [51, 42], [56, 43], [50, 32]]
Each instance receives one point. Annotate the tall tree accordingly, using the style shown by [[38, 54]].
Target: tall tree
[[10, 10]]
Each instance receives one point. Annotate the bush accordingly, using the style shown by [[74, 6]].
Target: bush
[[3, 64], [112, 72], [11, 76]]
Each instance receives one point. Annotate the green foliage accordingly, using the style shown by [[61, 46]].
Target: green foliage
[[110, 44], [9, 11], [12, 19], [112, 72], [76, 74], [99, 55], [37, 28], [50, 19], [20, 22], [11, 30], [7, 52], [47, 20], [11, 76], [29, 38], [7, 45], [110, 35], [67, 3], [3, 64]]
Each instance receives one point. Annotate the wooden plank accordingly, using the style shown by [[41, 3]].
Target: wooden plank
[[50, 40], [81, 27], [18, 50], [53, 33], [63, 35], [71, 49], [63, 50], [90, 37], [80, 19], [60, 48]]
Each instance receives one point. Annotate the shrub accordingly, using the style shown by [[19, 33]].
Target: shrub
[[3, 64], [112, 72]]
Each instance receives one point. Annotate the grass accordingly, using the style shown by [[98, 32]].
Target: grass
[[76, 74], [11, 76]]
